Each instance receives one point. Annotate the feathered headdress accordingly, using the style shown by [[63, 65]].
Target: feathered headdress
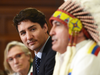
[[80, 15]]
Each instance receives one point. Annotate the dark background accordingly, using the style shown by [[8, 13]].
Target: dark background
[[9, 8]]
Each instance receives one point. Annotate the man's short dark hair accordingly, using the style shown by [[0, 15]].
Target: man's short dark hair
[[31, 14]]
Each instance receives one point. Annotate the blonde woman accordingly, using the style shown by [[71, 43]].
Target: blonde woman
[[17, 59]]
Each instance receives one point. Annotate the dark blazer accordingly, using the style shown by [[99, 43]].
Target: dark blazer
[[47, 60]]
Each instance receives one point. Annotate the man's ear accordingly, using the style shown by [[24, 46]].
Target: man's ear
[[80, 34], [80, 37], [45, 27]]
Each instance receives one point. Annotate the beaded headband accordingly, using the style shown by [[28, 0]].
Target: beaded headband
[[74, 24]]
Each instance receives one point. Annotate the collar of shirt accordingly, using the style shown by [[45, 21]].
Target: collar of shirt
[[39, 54], [61, 57], [81, 44]]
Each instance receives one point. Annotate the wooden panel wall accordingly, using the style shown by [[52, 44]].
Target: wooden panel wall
[[9, 8]]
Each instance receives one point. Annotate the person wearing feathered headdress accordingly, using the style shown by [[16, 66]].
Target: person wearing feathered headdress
[[76, 37]]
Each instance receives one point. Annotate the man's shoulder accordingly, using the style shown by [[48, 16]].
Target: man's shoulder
[[48, 45], [48, 51]]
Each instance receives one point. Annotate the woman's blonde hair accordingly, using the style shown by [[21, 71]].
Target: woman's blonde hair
[[8, 47]]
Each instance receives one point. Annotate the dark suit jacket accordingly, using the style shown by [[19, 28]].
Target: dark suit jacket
[[47, 60]]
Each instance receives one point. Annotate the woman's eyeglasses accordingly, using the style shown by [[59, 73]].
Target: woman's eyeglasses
[[17, 56]]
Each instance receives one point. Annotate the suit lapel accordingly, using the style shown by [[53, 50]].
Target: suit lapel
[[44, 53], [45, 50]]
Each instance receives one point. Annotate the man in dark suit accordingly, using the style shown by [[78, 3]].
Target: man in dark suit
[[33, 31]]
